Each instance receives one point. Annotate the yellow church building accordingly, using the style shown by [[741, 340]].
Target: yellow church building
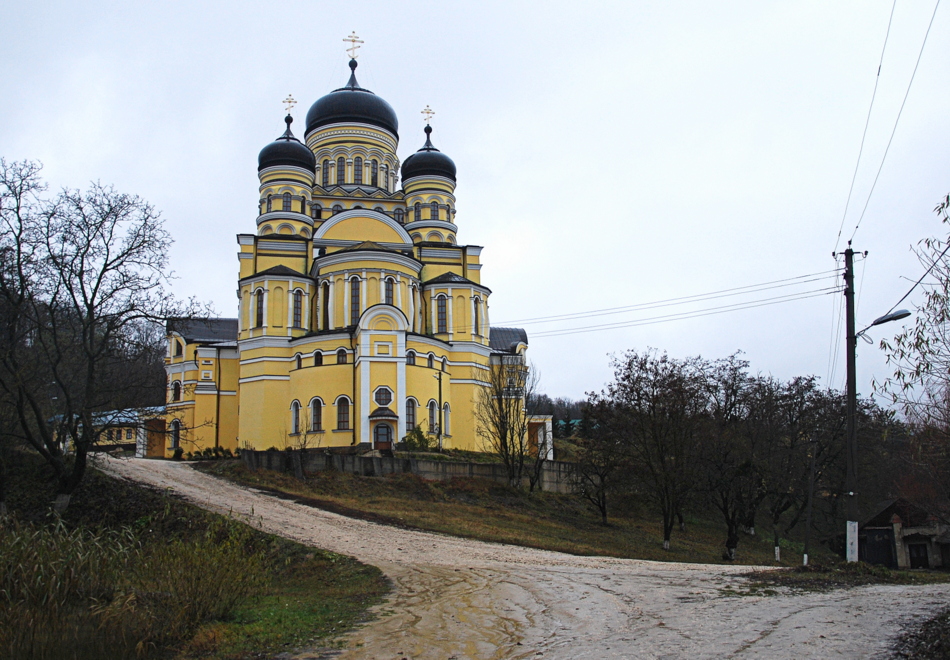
[[361, 315]]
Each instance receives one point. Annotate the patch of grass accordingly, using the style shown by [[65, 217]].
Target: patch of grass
[[305, 596], [840, 575], [489, 511], [929, 640]]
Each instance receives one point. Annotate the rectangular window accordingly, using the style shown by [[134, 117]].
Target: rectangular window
[[298, 308], [343, 415], [316, 416], [354, 301], [443, 317], [128, 434], [410, 415], [205, 375]]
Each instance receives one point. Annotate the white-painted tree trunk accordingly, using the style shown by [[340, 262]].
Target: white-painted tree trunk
[[778, 553]]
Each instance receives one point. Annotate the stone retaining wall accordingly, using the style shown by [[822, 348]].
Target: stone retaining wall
[[556, 475]]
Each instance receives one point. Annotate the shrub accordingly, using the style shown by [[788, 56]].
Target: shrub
[[416, 440], [177, 454]]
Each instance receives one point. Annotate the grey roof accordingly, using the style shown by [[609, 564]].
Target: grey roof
[[275, 270], [506, 340], [450, 277], [204, 331]]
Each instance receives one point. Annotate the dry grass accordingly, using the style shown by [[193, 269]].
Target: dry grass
[[481, 509]]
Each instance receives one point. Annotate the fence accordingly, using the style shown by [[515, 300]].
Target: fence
[[556, 476]]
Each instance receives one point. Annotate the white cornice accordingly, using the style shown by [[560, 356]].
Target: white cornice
[[320, 264], [285, 168], [438, 224], [253, 379], [350, 130], [274, 216]]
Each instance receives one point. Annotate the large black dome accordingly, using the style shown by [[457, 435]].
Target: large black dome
[[286, 150], [428, 161], [352, 104]]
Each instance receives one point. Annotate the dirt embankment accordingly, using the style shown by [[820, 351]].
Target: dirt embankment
[[457, 598]]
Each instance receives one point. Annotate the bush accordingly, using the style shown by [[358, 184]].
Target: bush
[[416, 440]]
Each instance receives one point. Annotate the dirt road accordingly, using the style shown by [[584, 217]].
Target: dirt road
[[461, 599]]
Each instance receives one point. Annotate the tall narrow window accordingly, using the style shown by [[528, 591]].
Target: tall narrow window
[[410, 357], [410, 414], [374, 173], [400, 218], [176, 391], [417, 212], [476, 321], [445, 364], [354, 300], [318, 359], [431, 361], [340, 171], [326, 173], [358, 171], [433, 416], [259, 311], [286, 202], [316, 212], [303, 205], [341, 356], [316, 415], [298, 307], [388, 289], [442, 306], [178, 348], [270, 203], [343, 414], [446, 427], [448, 213], [326, 306], [385, 178], [298, 359], [176, 434], [434, 211], [295, 417]]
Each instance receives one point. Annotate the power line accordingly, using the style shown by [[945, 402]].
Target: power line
[[896, 121], [689, 315], [712, 295], [917, 283], [867, 122]]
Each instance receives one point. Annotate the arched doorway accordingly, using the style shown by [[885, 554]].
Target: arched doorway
[[383, 436]]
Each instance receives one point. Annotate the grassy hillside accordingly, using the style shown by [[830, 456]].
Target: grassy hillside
[[481, 509], [329, 593]]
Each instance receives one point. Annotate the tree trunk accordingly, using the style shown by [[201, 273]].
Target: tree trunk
[[732, 542], [603, 508], [679, 516], [667, 529], [60, 503], [778, 549]]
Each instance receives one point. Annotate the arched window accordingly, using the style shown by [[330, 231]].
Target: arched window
[[358, 171], [298, 307], [178, 348], [326, 173], [354, 300], [448, 213], [445, 364], [270, 203], [383, 434], [286, 202], [343, 414], [433, 417], [400, 217], [410, 414], [385, 177], [318, 359], [341, 356], [417, 212], [337, 208], [434, 211], [176, 434], [316, 211], [176, 391], [446, 427], [340, 171], [410, 357], [316, 415], [298, 360], [259, 310], [295, 417], [476, 322], [442, 313], [374, 173], [431, 361], [326, 306], [388, 291]]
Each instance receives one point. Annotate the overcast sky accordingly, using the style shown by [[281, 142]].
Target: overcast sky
[[609, 154]]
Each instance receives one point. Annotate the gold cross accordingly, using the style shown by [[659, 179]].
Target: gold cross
[[353, 39], [289, 102], [428, 112]]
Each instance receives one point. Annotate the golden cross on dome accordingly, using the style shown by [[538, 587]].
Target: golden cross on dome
[[289, 102], [353, 39], [428, 112]]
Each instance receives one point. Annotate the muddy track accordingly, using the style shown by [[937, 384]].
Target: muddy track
[[457, 598]]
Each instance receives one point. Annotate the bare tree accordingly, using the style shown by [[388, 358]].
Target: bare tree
[[601, 457], [501, 417], [82, 278]]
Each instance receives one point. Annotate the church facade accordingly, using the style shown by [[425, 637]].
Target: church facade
[[361, 314]]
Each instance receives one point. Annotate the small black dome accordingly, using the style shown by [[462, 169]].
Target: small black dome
[[286, 150], [352, 104], [428, 161]]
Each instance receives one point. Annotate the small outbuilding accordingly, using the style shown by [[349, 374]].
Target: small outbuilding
[[903, 535]]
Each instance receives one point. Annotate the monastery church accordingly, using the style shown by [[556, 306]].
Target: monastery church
[[362, 315]]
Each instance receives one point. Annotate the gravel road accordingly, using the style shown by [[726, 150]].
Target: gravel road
[[460, 599]]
